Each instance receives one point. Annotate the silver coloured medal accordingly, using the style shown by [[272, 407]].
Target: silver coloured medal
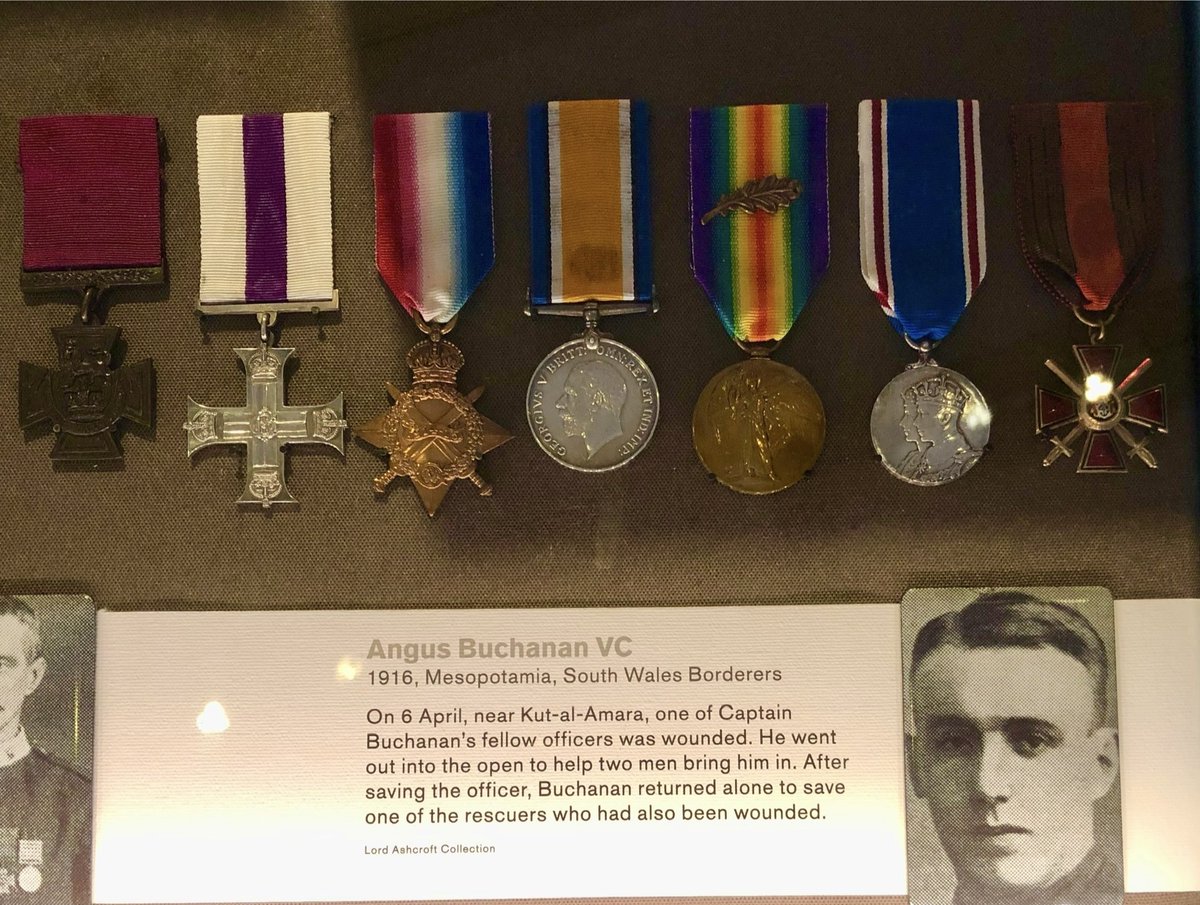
[[930, 424], [592, 403]]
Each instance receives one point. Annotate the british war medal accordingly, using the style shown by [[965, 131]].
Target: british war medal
[[592, 402], [923, 253], [266, 248], [93, 223], [1088, 210], [433, 246], [760, 243]]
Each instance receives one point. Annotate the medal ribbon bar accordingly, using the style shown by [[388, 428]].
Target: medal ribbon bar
[[433, 209], [760, 213], [266, 226], [922, 238], [589, 179]]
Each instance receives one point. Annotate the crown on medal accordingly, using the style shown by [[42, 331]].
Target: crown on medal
[[435, 362], [938, 391]]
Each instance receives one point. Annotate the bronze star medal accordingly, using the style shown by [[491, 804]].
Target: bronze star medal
[[432, 433]]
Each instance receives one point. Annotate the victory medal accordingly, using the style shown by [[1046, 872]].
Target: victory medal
[[266, 248], [1087, 205], [760, 243], [923, 253], [93, 223], [433, 246], [592, 402]]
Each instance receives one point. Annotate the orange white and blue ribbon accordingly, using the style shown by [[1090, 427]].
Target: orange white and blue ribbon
[[589, 186], [758, 264], [433, 209], [266, 222], [921, 222]]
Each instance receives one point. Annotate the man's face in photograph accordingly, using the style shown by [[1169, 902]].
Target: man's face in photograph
[[1009, 756], [20, 670]]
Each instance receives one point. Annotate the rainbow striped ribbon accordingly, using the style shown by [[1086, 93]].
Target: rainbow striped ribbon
[[758, 267], [589, 209], [266, 221], [433, 209], [922, 241]]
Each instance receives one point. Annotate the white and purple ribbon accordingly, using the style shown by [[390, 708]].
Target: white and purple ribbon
[[266, 224]]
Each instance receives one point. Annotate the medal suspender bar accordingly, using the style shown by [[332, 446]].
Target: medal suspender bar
[[93, 223], [592, 403], [266, 248]]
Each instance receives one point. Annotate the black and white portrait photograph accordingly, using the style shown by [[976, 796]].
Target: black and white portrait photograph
[[47, 693], [1013, 791]]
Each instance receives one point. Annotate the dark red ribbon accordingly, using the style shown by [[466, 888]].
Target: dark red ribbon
[[1087, 198], [92, 192]]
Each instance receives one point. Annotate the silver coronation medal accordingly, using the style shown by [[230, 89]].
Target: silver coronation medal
[[930, 424]]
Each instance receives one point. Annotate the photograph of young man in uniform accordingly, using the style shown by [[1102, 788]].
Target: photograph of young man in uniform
[[1013, 742], [45, 804]]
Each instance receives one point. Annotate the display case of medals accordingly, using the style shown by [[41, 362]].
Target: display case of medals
[[451, 410]]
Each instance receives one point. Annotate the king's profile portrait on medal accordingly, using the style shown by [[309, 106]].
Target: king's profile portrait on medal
[[591, 402], [45, 797], [933, 410], [1012, 754]]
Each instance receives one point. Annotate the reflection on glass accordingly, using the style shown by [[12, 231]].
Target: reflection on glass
[[212, 719]]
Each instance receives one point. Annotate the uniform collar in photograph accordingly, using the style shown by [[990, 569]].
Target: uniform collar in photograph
[[15, 749]]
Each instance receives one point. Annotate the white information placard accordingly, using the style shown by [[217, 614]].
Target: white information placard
[[499, 754]]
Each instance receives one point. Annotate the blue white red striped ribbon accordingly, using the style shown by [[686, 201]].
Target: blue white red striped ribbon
[[921, 221], [433, 208], [266, 226]]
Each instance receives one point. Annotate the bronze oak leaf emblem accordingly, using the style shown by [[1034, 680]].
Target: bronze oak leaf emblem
[[770, 194]]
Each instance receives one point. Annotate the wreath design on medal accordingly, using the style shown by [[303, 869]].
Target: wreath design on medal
[[432, 433], [439, 449]]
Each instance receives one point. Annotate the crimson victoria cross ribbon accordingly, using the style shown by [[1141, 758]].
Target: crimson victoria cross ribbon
[[1089, 219], [93, 223]]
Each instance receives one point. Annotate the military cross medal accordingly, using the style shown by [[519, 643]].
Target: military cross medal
[[265, 425], [266, 249], [433, 246], [92, 224], [1087, 204]]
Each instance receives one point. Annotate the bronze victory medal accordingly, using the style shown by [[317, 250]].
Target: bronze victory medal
[[758, 426], [760, 244]]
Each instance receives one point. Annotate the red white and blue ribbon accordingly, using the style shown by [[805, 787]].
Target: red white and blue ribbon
[[266, 225], [433, 209], [921, 221]]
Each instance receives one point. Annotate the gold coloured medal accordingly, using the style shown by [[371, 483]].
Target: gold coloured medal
[[758, 426]]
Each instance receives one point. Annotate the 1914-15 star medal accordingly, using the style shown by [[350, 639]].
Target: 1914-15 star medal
[[432, 433]]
